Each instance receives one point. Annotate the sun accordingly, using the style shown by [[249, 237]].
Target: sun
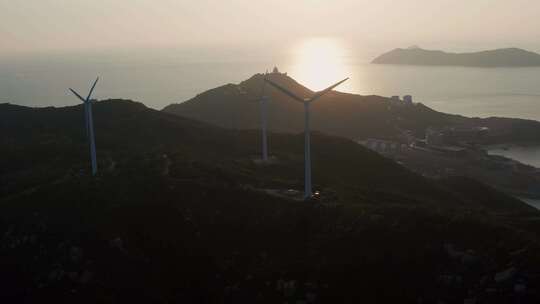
[[319, 62]]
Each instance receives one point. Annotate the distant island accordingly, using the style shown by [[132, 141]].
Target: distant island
[[508, 57]]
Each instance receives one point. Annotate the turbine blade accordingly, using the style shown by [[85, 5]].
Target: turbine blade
[[323, 92], [92, 89], [285, 91], [77, 94]]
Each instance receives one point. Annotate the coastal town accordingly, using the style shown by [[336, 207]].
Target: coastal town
[[458, 151]]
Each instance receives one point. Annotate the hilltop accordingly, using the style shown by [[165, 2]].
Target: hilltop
[[235, 106], [508, 57], [178, 213]]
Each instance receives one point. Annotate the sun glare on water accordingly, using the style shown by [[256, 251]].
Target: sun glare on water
[[319, 63]]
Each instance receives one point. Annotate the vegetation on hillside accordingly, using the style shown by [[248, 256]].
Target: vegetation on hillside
[[179, 212]]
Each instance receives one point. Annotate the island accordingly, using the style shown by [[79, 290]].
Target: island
[[507, 57]]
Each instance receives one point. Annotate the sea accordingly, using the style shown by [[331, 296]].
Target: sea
[[527, 155], [161, 77]]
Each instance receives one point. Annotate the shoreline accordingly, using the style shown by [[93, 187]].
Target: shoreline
[[527, 154], [531, 202]]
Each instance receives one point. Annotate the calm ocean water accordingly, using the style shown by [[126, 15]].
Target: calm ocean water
[[526, 155], [158, 79], [163, 77]]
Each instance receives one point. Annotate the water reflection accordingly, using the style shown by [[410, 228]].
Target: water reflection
[[320, 62]]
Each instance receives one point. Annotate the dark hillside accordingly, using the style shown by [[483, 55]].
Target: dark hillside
[[179, 212], [127, 129]]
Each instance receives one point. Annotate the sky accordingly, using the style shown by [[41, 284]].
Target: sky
[[64, 25]]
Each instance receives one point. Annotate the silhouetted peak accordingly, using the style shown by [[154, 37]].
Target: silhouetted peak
[[256, 83], [7, 105], [108, 103], [120, 104], [507, 57]]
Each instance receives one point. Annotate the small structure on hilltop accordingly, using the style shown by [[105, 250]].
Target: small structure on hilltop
[[408, 99], [277, 72]]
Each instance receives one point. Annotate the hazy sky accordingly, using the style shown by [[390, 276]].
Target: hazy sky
[[44, 25]]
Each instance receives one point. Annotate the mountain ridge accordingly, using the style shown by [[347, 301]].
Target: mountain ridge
[[340, 114], [505, 57]]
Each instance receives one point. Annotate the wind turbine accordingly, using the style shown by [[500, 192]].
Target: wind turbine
[[307, 138], [89, 123]]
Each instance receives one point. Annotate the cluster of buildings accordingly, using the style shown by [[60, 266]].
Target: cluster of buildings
[[455, 135], [407, 100], [452, 141], [384, 146]]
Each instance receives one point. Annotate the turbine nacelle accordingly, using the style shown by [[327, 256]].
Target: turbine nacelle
[[87, 99]]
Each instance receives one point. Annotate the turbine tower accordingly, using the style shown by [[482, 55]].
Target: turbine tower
[[89, 123], [308, 192], [264, 120]]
